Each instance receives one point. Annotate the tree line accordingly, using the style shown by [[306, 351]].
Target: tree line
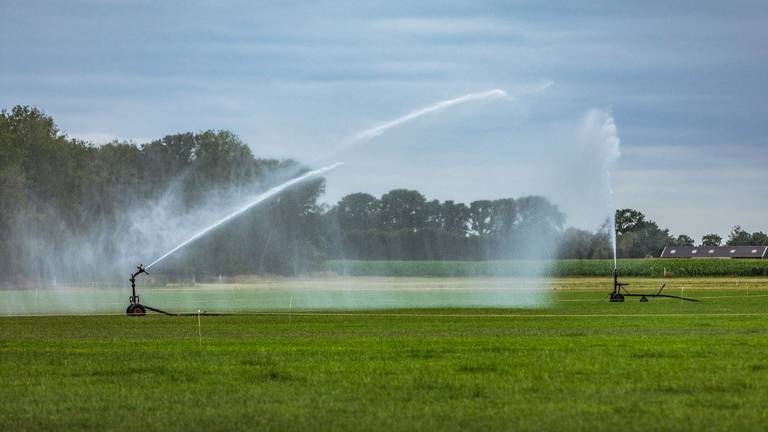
[[403, 224], [637, 236], [66, 206]]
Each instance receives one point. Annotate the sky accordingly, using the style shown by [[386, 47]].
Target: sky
[[685, 82]]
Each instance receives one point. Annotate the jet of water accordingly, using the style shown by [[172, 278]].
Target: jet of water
[[601, 125], [258, 199], [375, 131]]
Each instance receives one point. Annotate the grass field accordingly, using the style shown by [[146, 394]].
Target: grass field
[[580, 364]]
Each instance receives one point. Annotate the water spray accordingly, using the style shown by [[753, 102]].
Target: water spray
[[257, 200], [135, 308]]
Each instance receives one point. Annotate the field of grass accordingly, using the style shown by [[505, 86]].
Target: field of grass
[[556, 268], [581, 364]]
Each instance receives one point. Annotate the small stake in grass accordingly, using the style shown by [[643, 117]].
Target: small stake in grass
[[290, 312], [199, 327]]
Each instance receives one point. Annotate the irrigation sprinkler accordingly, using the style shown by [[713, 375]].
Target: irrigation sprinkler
[[620, 291], [135, 308]]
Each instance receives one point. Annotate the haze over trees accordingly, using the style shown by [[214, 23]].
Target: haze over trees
[[59, 193]]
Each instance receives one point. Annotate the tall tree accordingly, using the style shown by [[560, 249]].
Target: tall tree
[[358, 211], [629, 220], [455, 218], [683, 240], [480, 212], [503, 217], [759, 238], [403, 209], [739, 237], [711, 240]]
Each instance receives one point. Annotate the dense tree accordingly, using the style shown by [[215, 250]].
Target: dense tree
[[503, 217], [358, 211], [759, 238], [480, 212], [739, 237], [455, 217], [403, 209], [639, 237], [628, 220], [583, 244], [711, 240], [683, 240]]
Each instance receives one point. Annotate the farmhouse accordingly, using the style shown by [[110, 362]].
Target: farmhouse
[[756, 252]]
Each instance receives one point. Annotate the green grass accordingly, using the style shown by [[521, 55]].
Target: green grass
[[582, 364], [557, 268]]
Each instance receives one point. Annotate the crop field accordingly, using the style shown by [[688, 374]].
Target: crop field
[[580, 363], [557, 268]]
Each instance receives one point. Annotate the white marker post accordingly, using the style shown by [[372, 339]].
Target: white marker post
[[199, 328]]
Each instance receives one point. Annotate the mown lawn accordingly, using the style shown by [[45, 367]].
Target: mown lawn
[[581, 364]]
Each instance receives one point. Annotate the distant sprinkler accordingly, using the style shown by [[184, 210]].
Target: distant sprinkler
[[620, 291]]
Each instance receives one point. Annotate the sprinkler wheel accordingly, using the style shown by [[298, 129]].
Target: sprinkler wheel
[[617, 297], [136, 310]]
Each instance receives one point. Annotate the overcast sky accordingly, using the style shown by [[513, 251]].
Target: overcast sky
[[686, 84]]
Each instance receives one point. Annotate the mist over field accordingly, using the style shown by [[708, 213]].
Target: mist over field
[[76, 211]]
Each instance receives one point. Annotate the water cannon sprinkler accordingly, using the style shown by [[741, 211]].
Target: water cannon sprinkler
[[135, 308], [616, 295], [620, 291]]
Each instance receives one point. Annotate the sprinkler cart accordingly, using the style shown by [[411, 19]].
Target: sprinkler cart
[[617, 295], [135, 308]]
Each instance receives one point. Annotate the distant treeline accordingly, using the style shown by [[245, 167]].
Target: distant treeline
[[61, 196], [404, 225]]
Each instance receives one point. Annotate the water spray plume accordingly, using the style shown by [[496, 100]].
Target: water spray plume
[[601, 128], [438, 106], [258, 199]]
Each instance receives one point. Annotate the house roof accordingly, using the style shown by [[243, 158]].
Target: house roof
[[715, 252]]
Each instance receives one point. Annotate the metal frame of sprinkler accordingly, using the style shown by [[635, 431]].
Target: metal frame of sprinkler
[[135, 308], [620, 291]]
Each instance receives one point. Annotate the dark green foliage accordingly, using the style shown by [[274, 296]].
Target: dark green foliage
[[683, 240], [583, 244], [358, 211], [639, 237], [403, 225], [711, 240], [740, 237], [58, 192], [403, 209]]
